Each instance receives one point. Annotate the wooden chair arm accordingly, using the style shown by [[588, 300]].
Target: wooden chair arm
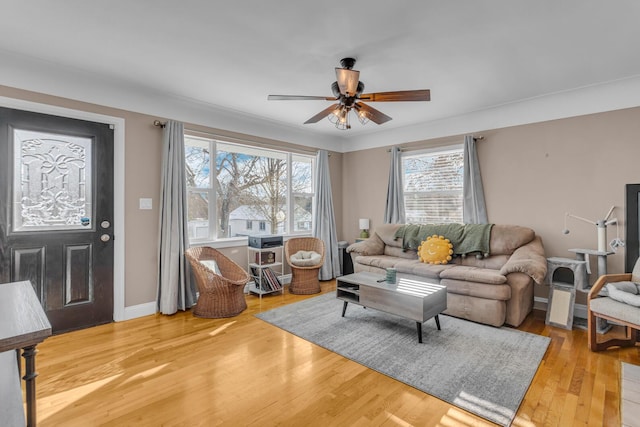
[[604, 279]]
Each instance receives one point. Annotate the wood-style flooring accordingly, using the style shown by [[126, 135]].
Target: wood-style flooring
[[184, 371]]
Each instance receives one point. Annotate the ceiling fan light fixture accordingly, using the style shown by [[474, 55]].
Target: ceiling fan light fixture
[[363, 117], [347, 81], [340, 118]]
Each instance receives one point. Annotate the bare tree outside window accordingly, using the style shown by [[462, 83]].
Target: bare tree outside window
[[248, 184]]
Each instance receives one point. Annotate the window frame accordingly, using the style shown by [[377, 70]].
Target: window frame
[[212, 194], [429, 151]]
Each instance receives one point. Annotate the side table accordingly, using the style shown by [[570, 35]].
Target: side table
[[24, 326]]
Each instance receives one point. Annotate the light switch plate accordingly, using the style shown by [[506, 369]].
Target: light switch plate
[[146, 203]]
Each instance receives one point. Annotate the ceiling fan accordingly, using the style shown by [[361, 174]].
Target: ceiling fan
[[347, 91]]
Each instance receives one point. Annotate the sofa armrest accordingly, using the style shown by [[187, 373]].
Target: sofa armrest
[[372, 246], [528, 259]]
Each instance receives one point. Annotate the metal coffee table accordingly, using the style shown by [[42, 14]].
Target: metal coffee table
[[412, 297]]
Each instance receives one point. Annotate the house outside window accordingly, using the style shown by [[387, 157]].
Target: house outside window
[[433, 182], [233, 185]]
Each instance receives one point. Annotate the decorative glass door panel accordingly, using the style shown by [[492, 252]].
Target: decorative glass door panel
[[52, 186]]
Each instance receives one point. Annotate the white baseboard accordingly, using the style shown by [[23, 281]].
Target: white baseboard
[[579, 310], [140, 310]]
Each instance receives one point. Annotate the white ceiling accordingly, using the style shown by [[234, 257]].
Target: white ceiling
[[488, 63]]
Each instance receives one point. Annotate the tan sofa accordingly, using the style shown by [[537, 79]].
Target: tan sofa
[[493, 288]]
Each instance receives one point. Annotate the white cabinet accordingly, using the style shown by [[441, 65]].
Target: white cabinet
[[266, 270]]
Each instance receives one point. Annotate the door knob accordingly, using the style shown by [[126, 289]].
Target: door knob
[[105, 238]]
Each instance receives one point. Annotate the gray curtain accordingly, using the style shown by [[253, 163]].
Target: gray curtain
[[394, 211], [474, 209], [175, 290], [324, 224]]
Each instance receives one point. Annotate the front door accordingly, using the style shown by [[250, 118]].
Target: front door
[[56, 214]]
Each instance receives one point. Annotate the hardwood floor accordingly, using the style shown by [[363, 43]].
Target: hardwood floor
[[184, 371]]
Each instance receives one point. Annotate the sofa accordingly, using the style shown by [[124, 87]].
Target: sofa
[[493, 286]]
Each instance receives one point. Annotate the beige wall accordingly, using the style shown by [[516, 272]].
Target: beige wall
[[143, 160], [532, 175]]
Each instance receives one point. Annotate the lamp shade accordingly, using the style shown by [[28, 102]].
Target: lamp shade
[[364, 223]]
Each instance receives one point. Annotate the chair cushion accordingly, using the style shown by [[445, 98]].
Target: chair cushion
[[305, 258], [211, 265], [612, 308]]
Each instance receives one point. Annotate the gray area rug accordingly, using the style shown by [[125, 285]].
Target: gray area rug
[[481, 369]]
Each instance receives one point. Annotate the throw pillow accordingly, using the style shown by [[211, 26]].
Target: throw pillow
[[435, 250], [211, 265], [625, 292], [305, 258]]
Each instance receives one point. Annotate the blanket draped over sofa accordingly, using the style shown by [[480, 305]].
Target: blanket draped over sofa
[[465, 238], [494, 289]]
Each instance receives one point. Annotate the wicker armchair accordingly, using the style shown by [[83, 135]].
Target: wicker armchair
[[304, 279], [221, 295]]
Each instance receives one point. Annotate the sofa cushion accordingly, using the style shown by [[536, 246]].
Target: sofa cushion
[[479, 290], [379, 261], [494, 262], [418, 268], [528, 259], [387, 233], [505, 239], [474, 274], [398, 252]]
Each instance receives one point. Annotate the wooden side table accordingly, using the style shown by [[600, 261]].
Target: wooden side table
[[24, 326]]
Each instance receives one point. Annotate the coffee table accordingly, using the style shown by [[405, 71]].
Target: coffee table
[[412, 297]]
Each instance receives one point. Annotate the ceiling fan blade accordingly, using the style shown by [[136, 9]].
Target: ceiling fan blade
[[371, 113], [403, 95], [322, 114], [347, 81], [299, 98]]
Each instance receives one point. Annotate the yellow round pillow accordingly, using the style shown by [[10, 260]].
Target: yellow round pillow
[[435, 250]]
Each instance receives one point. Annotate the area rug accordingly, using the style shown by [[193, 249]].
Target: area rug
[[481, 369]]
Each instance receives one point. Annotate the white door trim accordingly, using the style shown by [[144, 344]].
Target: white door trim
[[118, 181]]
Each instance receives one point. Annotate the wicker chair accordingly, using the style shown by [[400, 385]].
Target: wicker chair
[[221, 295], [304, 279]]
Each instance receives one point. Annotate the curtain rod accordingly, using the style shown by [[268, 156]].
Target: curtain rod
[[476, 138], [160, 124]]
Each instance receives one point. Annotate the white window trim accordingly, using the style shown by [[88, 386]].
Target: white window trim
[[225, 242], [444, 149]]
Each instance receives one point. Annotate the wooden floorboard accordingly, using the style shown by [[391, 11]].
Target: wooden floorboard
[[185, 371]]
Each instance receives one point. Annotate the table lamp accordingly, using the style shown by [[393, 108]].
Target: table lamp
[[364, 227]]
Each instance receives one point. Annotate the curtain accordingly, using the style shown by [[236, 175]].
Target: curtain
[[474, 210], [394, 211], [175, 288], [324, 224]]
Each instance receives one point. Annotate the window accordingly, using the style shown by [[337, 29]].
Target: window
[[433, 183], [233, 186]]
